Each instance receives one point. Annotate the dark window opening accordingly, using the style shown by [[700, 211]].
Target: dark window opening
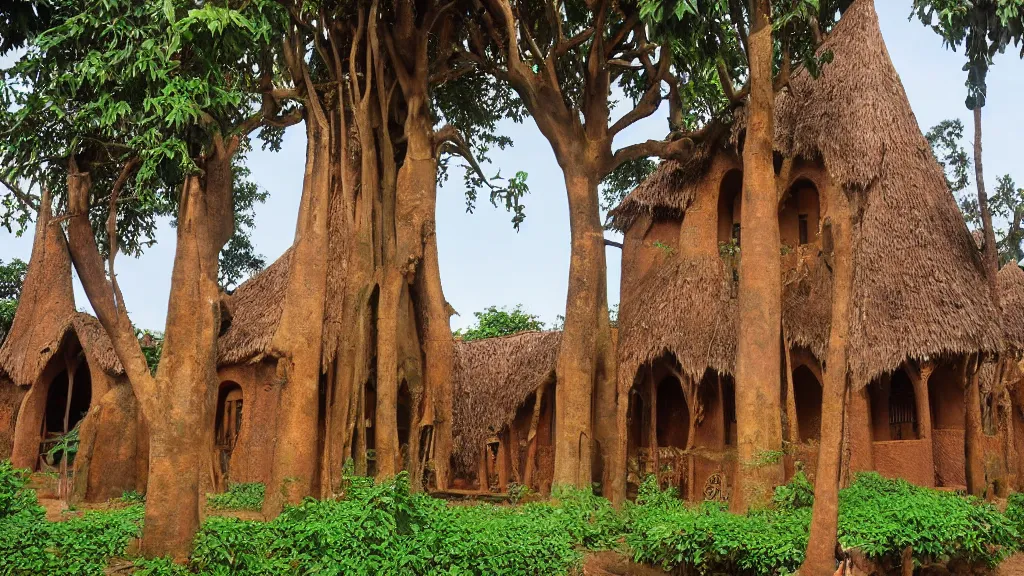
[[803, 228], [736, 232], [902, 408], [229, 422], [729, 410]]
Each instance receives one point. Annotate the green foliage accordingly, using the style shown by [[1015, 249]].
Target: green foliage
[[494, 321], [984, 29], [1015, 511], [132, 497], [67, 446], [883, 517], [1007, 204], [239, 496], [945, 138], [14, 497], [796, 494], [12, 276], [667, 532], [152, 344]]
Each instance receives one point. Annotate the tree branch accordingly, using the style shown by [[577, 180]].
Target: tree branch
[[613, 243], [23, 198], [649, 102]]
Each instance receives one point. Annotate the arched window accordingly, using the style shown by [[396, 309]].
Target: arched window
[[229, 421], [893, 408], [799, 214], [807, 396], [729, 205]]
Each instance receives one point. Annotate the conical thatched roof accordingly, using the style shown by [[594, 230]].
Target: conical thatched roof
[[46, 304], [493, 377], [919, 288], [255, 310], [1011, 301]]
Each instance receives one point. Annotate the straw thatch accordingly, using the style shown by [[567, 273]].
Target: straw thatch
[[683, 308], [667, 192], [807, 306], [255, 310], [91, 336], [1011, 301], [492, 378], [918, 287]]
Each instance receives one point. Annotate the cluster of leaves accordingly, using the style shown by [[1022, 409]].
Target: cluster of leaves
[[495, 321], [30, 545], [152, 344], [881, 517], [1006, 204], [12, 276], [665, 531], [239, 496]]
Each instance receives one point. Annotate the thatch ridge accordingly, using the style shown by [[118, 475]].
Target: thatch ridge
[[492, 378], [256, 308], [667, 192], [1011, 302], [918, 286]]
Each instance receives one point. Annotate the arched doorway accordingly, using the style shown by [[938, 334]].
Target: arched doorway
[[228, 424], [798, 216], [67, 402], [729, 206], [946, 405], [673, 423], [807, 396]]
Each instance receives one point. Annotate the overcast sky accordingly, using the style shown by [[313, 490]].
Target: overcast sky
[[485, 262]]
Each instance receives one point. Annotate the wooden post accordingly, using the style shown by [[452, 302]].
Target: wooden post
[[653, 430], [531, 451], [481, 472], [503, 459], [793, 433]]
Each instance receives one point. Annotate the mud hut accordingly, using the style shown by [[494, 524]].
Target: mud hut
[[503, 412], [59, 376], [921, 309]]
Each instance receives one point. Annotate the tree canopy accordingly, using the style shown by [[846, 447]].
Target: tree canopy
[[12, 276], [494, 321]]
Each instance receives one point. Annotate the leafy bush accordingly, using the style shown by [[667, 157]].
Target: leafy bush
[[29, 545], [239, 496], [667, 532], [795, 494], [14, 497], [882, 517], [1015, 512], [494, 321]]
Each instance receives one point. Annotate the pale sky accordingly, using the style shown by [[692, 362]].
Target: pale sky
[[485, 262]]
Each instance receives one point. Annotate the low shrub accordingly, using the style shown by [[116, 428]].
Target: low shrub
[[1015, 513], [239, 496], [883, 517], [14, 496]]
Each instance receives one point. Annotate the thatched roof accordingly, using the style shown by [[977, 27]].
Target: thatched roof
[[492, 378], [255, 310], [667, 192], [1011, 301], [918, 286], [684, 308]]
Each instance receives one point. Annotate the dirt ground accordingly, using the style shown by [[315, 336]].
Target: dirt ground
[[613, 564], [1013, 566]]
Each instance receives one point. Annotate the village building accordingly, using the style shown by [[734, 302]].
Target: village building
[[848, 149]]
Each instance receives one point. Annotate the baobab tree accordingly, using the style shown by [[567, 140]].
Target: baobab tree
[[127, 111], [385, 111]]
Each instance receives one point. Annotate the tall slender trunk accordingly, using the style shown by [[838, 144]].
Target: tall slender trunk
[[974, 458], [820, 558], [583, 333], [297, 342], [758, 362], [991, 254], [177, 402]]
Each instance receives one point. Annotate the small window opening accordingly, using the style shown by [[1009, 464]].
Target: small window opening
[[736, 232], [902, 408], [803, 228]]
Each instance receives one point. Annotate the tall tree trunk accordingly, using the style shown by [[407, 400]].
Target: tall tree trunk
[[974, 458], [584, 332], [759, 425], [297, 342], [821, 558], [991, 254], [178, 402]]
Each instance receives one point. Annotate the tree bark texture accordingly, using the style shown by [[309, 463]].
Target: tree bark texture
[[297, 342], [759, 425], [821, 545], [178, 401]]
